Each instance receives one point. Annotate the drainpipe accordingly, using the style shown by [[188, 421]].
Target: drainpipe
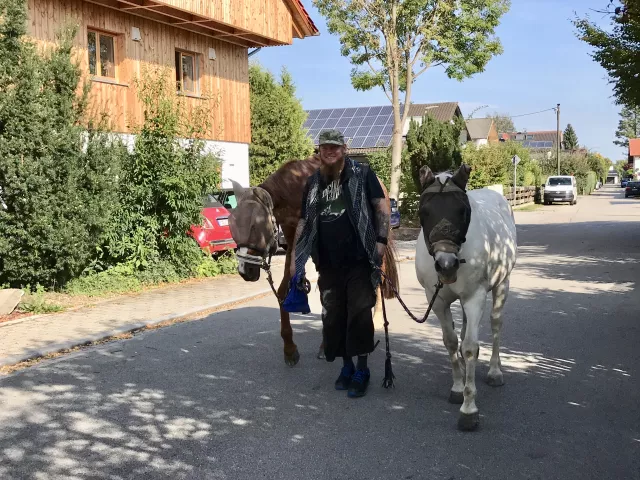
[[253, 52]]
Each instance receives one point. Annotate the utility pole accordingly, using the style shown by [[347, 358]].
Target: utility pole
[[558, 137]]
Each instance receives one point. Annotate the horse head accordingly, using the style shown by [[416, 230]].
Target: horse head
[[254, 229], [445, 214]]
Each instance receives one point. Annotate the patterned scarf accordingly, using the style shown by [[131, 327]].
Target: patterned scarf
[[359, 210]]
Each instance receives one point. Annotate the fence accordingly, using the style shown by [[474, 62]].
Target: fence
[[523, 195]]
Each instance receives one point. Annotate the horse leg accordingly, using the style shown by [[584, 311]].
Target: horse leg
[[500, 293], [474, 309], [291, 354], [450, 339], [463, 332]]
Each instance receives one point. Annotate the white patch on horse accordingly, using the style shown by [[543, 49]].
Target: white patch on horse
[[490, 253]]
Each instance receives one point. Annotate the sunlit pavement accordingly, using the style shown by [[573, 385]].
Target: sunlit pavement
[[213, 399]]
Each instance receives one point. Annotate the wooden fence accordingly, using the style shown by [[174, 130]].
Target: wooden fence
[[523, 195]]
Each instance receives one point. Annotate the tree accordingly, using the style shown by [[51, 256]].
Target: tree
[[277, 118], [628, 126], [570, 138], [617, 50], [622, 166], [504, 123], [398, 40], [57, 197]]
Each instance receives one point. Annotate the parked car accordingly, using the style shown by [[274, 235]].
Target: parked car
[[214, 235], [395, 214], [624, 181], [561, 188], [632, 190]]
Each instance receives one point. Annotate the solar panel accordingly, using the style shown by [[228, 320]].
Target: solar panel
[[313, 114], [384, 141], [356, 121], [370, 142], [368, 121], [387, 130], [376, 131], [349, 112], [337, 113], [325, 114], [526, 143], [375, 111], [386, 110], [362, 112], [357, 142], [350, 131], [308, 122], [363, 131], [381, 120], [343, 123], [548, 144]]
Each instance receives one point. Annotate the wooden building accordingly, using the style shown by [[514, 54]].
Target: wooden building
[[206, 43]]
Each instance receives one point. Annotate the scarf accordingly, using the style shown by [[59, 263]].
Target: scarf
[[359, 211]]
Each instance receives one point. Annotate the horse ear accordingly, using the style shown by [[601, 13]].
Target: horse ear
[[461, 177], [426, 176], [238, 190]]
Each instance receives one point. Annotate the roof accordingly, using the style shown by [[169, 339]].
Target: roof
[[302, 18], [370, 127], [479, 128], [543, 139], [634, 147], [443, 111]]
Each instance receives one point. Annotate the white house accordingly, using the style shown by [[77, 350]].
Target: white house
[[634, 156]]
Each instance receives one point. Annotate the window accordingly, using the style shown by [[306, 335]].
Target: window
[[186, 72], [101, 48], [556, 181]]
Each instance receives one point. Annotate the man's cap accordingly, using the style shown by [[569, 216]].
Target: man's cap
[[331, 137]]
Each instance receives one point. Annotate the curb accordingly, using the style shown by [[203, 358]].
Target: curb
[[197, 313]]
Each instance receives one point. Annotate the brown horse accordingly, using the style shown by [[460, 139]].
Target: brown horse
[[278, 201]]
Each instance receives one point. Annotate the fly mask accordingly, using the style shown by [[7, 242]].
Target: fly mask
[[254, 229], [445, 214]]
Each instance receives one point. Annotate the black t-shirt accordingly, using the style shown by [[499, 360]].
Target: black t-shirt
[[339, 244]]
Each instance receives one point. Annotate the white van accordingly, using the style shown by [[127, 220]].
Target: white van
[[561, 188]]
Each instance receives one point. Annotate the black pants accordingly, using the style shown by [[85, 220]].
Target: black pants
[[347, 297]]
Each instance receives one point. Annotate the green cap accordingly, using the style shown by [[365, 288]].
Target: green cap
[[331, 137]]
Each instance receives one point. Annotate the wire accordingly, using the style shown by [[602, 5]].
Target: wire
[[533, 113]]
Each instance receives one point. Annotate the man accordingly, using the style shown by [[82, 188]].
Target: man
[[343, 227]]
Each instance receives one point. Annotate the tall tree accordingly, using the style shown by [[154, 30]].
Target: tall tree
[[398, 40], [617, 49], [504, 122], [277, 118], [628, 126], [570, 138]]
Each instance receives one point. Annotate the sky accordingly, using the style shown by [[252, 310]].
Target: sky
[[543, 64]]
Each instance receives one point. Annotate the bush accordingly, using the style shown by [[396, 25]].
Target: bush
[[57, 196]]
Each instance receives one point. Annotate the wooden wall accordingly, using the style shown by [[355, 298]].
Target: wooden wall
[[226, 78], [269, 18]]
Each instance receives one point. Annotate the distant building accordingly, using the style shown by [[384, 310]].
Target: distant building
[[612, 177], [540, 140], [634, 156], [482, 131]]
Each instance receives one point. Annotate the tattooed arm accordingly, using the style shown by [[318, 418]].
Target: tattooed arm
[[292, 266], [382, 214]]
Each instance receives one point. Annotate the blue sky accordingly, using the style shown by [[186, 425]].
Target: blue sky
[[543, 64]]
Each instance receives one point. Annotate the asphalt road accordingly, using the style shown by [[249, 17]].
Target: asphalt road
[[213, 399]]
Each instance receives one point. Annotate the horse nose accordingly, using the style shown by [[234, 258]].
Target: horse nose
[[447, 263]]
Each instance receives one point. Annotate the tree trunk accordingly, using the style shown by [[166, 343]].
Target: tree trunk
[[396, 157]]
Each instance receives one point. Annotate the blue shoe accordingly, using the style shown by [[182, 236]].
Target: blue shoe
[[359, 383], [344, 380]]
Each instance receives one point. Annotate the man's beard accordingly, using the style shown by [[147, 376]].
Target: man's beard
[[332, 172]]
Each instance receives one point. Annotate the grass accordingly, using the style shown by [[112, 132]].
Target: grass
[[531, 207]]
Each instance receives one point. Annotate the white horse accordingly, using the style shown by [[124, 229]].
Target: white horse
[[478, 230]]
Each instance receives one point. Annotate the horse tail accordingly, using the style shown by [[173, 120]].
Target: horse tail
[[390, 268]]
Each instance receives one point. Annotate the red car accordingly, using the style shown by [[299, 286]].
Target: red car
[[214, 235]]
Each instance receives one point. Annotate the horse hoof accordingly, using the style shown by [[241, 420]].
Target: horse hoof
[[293, 359], [468, 422], [456, 398], [320, 355], [495, 381]]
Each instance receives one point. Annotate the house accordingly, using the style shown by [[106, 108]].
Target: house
[[368, 130], [482, 131], [612, 177], [206, 45], [544, 140], [634, 155]]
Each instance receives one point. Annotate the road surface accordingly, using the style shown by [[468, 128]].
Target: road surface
[[212, 399]]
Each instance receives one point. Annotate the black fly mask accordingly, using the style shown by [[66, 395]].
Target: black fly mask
[[445, 212], [254, 229]]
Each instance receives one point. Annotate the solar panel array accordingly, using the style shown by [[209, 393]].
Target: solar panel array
[[538, 144], [364, 127]]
